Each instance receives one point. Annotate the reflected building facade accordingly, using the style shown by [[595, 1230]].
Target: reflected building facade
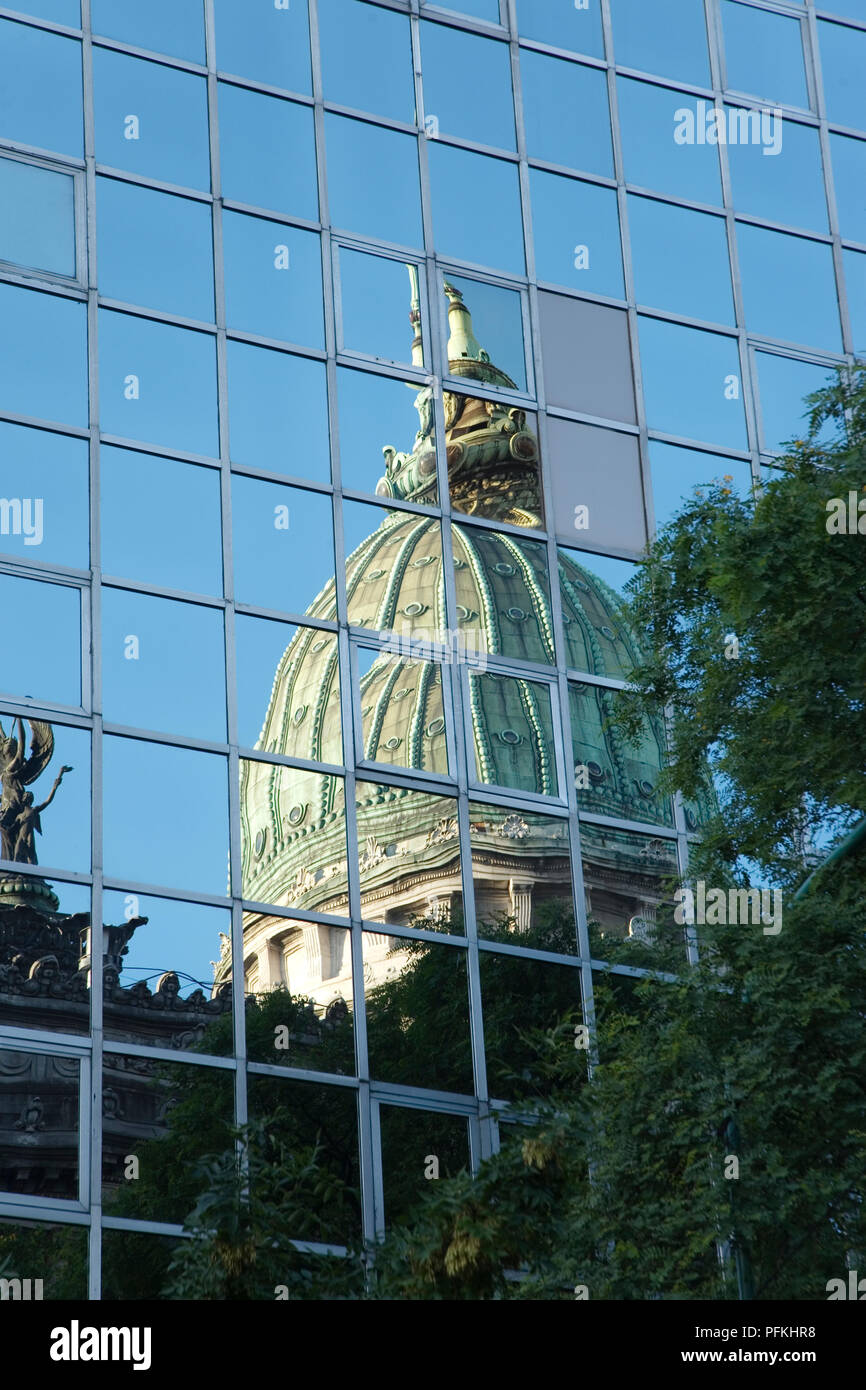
[[319, 613]]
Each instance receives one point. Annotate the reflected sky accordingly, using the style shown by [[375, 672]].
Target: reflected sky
[[843, 59], [155, 250], [278, 412], [770, 264], [785, 187], [566, 113], [494, 234], [158, 383], [36, 62], [373, 184], [273, 280], [43, 356], [560, 23], [151, 119], [783, 382], [374, 302], [680, 260], [178, 936], [764, 54], [651, 156], [255, 133], [854, 263], [175, 27], [677, 472], [163, 665], [165, 815], [676, 48], [849, 171], [283, 544], [576, 227], [144, 538], [35, 464], [467, 85], [692, 383], [264, 43], [360, 43], [45, 670]]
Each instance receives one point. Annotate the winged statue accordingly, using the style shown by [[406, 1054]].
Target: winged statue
[[19, 816]]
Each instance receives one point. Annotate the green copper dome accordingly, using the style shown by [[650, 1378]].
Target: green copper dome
[[293, 820]]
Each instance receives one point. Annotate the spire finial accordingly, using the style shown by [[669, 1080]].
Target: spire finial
[[415, 317], [462, 342]]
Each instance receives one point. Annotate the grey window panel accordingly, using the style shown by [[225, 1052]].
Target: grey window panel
[[598, 469], [587, 360]]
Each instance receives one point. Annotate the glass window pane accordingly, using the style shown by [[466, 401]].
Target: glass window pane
[[283, 545], [393, 568], [375, 301], [417, 1013], [503, 596], [597, 495], [45, 504], [493, 235], [512, 989], [62, 799], [36, 62], [134, 491], [273, 280], [298, 1120], [849, 9], [185, 847], [297, 668], [285, 811], [265, 43], [411, 1141], [513, 727], [496, 319], [297, 695], [467, 86], [182, 1113], [481, 9], [58, 11], [843, 59], [43, 356], [770, 262], [378, 415], [563, 24], [691, 383], [164, 993], [158, 383], [37, 217], [653, 157], [677, 48], [155, 250], [629, 882], [39, 1092], [680, 260], [43, 670], [141, 110], [521, 876], [402, 706], [616, 776], [256, 134], [163, 665], [278, 412], [677, 473], [782, 182], [300, 992], [587, 358], [55, 1254], [373, 185], [591, 590], [855, 280], [493, 464], [566, 113], [849, 173], [175, 27], [409, 857], [783, 383], [764, 54], [577, 239], [359, 43]]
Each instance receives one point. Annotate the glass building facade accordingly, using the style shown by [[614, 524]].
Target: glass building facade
[[350, 353]]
